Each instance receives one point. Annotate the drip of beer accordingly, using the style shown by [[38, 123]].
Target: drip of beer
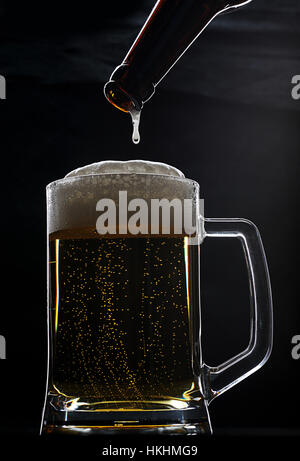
[[135, 117]]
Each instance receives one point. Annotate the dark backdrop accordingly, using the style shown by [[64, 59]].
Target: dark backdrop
[[224, 116]]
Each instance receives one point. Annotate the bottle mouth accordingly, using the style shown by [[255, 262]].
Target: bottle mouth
[[119, 98]]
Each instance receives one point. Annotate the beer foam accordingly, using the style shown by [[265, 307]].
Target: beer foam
[[71, 201], [130, 166]]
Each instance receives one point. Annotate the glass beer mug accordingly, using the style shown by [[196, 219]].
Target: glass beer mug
[[123, 303]]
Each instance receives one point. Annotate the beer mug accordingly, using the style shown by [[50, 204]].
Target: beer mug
[[124, 319]]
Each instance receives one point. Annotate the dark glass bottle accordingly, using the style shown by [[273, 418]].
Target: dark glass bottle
[[170, 29]]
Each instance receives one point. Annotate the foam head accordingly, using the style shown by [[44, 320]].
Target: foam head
[[71, 201], [129, 166]]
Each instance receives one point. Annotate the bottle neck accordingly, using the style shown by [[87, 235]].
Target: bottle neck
[[171, 28]]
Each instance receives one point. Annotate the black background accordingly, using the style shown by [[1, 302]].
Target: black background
[[224, 116]]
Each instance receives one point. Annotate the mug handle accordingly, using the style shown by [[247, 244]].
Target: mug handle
[[217, 380]]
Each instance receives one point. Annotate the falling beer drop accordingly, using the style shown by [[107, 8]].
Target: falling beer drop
[[135, 117]]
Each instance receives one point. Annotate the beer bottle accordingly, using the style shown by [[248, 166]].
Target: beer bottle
[[170, 29]]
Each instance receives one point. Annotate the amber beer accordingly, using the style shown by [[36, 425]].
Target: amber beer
[[121, 317], [170, 29]]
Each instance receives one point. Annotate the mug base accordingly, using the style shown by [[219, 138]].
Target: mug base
[[169, 416], [200, 428]]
